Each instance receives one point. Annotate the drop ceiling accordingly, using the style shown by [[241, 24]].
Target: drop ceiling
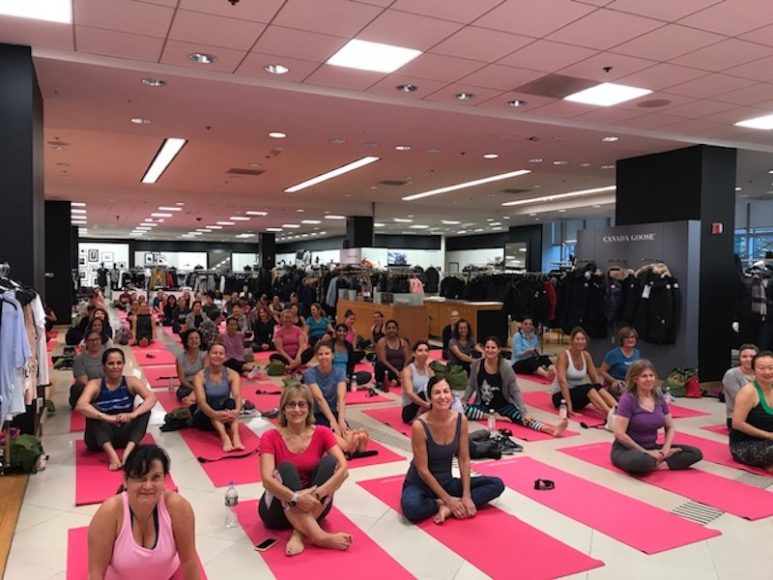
[[709, 64]]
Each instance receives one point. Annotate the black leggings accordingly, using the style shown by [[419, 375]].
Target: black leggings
[[412, 409], [99, 432], [235, 365], [638, 462], [382, 372], [204, 423], [529, 366], [306, 356], [272, 512], [578, 395]]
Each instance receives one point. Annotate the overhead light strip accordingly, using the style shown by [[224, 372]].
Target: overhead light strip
[[466, 184], [558, 196], [166, 154], [332, 174], [59, 11]]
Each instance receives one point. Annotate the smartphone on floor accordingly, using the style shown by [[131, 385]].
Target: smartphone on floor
[[265, 544]]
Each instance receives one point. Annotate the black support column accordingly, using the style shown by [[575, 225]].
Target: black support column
[[22, 226], [359, 232], [267, 250], [59, 259], [695, 183]]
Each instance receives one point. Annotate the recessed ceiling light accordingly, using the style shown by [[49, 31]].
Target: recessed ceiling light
[[180, 203], [466, 184], [406, 88], [738, 188], [372, 56], [450, 222], [464, 96], [402, 147], [239, 218], [153, 82], [764, 123], [311, 222], [610, 139], [419, 227], [49, 10], [607, 167], [258, 213], [245, 235], [161, 215], [140, 121], [291, 226], [78, 222], [276, 69], [77, 204], [202, 57], [561, 211], [462, 232], [584, 164], [516, 103], [303, 210], [560, 162], [204, 230], [215, 227], [434, 151], [335, 217], [378, 225], [75, 210], [536, 160], [490, 156], [492, 224], [277, 135], [142, 228], [402, 220], [607, 94], [166, 154], [556, 196], [225, 223], [322, 233], [169, 208], [334, 173], [595, 205]]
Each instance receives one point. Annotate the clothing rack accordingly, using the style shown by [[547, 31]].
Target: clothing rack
[[5, 270]]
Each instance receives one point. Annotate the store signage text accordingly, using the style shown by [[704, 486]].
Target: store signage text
[[628, 238]]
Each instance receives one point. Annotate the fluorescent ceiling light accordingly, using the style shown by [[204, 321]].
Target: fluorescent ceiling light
[[482, 181], [560, 196], [77, 204], [378, 225], [273, 229], [203, 230], [373, 56], [311, 222], [74, 210], [50, 10], [225, 223], [215, 227], [450, 222], [607, 94], [78, 223], [765, 123], [161, 215], [335, 217], [239, 218], [291, 226], [245, 235], [259, 213], [169, 150], [419, 227], [402, 220], [334, 173], [166, 208]]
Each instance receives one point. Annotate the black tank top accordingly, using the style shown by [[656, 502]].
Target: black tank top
[[439, 457]]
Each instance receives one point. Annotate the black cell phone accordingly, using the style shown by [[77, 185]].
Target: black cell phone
[[265, 544]]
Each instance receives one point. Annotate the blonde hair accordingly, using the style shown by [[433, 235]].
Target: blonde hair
[[294, 390], [634, 372]]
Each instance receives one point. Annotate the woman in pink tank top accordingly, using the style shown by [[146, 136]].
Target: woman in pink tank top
[[146, 531]]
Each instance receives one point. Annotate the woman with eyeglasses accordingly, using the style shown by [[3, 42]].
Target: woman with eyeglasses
[[302, 466]]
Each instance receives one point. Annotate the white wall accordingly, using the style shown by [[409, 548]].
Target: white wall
[[760, 215], [181, 260], [108, 254], [477, 257], [377, 256], [240, 260]]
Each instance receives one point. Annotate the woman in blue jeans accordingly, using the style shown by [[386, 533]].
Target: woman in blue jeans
[[437, 437]]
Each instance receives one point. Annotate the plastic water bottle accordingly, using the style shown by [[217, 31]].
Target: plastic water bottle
[[492, 422], [170, 386], [563, 410], [667, 396], [231, 501]]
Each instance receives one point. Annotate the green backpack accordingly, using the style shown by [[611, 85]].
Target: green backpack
[[676, 382], [25, 450], [276, 368], [457, 378], [438, 368]]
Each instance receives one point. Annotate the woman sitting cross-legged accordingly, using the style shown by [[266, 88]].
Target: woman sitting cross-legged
[[416, 377], [302, 466], [493, 382], [328, 387], [751, 438], [147, 531], [112, 421], [526, 358], [641, 412], [430, 489], [219, 399]]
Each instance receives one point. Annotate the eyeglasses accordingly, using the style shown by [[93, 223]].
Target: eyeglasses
[[299, 404]]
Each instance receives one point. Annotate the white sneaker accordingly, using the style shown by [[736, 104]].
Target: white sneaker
[[610, 420], [254, 372]]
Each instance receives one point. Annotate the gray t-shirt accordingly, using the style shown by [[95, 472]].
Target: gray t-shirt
[[85, 364], [191, 368], [732, 383]]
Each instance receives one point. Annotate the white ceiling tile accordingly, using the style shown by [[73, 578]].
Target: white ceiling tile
[[118, 44], [500, 77], [464, 12], [336, 17], [667, 10], [547, 56], [35, 33], [408, 30], [661, 76], [132, 17], [440, 67], [344, 78], [732, 17], [758, 70], [481, 44], [387, 86], [176, 52], [254, 62], [723, 55], [668, 42], [298, 44], [710, 85], [752, 95], [531, 102], [610, 115], [762, 35], [447, 95], [593, 67], [535, 18], [696, 108], [695, 127], [215, 30], [563, 109], [652, 121], [604, 29], [732, 116], [262, 11]]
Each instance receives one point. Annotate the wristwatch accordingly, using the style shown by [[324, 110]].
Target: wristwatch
[[293, 500]]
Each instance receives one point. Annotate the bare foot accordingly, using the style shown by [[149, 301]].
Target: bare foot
[[228, 446], [114, 465], [294, 544], [441, 515], [337, 541], [238, 445], [560, 427], [662, 466]]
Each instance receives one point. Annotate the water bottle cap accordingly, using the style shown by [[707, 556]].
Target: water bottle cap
[[231, 483]]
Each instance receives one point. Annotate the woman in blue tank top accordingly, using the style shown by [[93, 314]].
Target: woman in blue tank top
[[112, 421], [430, 489]]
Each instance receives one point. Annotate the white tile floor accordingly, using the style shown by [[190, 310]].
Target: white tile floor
[[742, 552]]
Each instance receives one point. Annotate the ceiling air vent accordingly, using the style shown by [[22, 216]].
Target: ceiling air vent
[[394, 182], [239, 171], [555, 86]]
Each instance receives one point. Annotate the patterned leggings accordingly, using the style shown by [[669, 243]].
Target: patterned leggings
[[477, 412], [755, 453]]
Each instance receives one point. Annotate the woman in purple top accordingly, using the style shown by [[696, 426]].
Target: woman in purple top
[[233, 341], [641, 411]]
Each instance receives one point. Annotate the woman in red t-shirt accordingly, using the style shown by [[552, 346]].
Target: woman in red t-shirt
[[301, 466]]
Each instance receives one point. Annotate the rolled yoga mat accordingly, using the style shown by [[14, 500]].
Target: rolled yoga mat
[[718, 492], [600, 508], [530, 553]]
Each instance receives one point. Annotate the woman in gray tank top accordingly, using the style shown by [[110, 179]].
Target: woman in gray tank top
[[191, 360], [415, 378], [430, 489]]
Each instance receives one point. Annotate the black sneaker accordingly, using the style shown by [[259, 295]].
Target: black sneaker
[[509, 447]]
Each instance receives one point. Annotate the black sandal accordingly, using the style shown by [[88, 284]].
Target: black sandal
[[544, 484]]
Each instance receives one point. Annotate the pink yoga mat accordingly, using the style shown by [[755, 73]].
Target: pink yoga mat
[[530, 552], [157, 376], [526, 434], [51, 345], [437, 354], [93, 482], [153, 356], [207, 444], [77, 422], [362, 397], [78, 556], [721, 429], [716, 452], [600, 508], [724, 494], [384, 456], [534, 379], [363, 559], [391, 416]]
